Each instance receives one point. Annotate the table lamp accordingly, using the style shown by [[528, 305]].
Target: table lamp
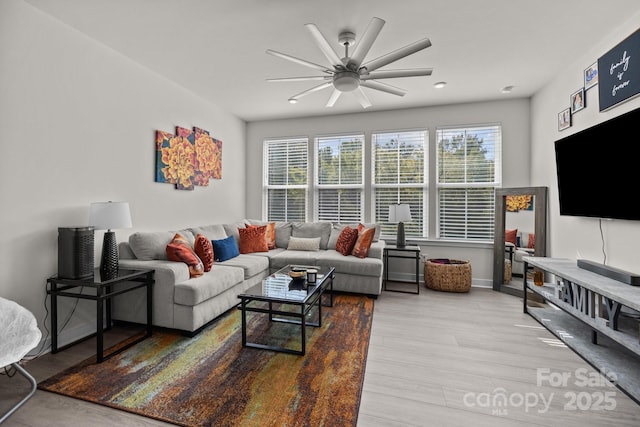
[[107, 216], [400, 213]]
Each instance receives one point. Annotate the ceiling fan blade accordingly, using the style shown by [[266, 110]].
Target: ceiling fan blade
[[390, 74], [299, 61], [365, 43], [362, 98], [324, 45], [372, 84], [299, 79], [396, 54], [334, 97], [313, 89]]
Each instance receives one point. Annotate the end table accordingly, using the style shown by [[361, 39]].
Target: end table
[[104, 290], [407, 252]]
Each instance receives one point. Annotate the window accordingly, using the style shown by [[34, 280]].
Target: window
[[399, 176], [468, 165], [339, 180], [285, 179]]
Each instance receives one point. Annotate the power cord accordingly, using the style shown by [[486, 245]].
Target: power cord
[[40, 351], [604, 252]]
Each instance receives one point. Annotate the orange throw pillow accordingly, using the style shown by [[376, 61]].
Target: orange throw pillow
[[346, 240], [361, 248], [204, 250], [253, 239], [510, 236], [270, 235], [180, 250]]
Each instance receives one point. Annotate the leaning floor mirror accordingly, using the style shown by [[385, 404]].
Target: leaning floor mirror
[[520, 230]]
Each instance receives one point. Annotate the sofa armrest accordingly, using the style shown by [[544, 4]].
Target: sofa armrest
[[375, 251], [171, 272]]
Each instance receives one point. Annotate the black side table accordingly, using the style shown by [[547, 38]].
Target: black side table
[[406, 252], [127, 280]]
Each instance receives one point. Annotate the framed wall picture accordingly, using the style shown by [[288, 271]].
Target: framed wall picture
[[591, 76], [564, 119], [577, 100], [619, 77]]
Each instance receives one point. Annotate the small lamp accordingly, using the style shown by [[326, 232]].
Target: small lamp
[[105, 216], [399, 213]]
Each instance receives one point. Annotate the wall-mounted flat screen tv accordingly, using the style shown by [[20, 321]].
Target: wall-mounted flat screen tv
[[599, 169]]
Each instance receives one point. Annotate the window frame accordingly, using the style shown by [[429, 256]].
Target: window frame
[[266, 186]]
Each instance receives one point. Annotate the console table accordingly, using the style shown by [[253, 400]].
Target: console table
[[594, 327], [103, 291]]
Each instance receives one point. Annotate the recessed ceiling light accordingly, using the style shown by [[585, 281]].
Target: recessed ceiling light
[[292, 100], [439, 85], [506, 89]]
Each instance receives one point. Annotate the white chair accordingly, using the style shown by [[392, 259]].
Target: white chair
[[19, 334]]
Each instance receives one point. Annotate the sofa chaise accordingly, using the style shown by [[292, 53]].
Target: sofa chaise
[[187, 303]]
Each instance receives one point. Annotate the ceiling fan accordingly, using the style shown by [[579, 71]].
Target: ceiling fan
[[350, 74]]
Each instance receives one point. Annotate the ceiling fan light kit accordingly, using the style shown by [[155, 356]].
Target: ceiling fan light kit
[[350, 74]]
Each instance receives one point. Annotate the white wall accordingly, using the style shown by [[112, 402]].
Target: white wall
[[512, 114], [78, 125], [573, 237]]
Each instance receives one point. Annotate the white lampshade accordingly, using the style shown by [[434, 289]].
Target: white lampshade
[[109, 215], [399, 213]]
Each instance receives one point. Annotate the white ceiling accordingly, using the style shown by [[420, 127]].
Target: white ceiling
[[216, 48]]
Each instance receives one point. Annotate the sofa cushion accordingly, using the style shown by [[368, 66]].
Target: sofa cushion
[[283, 234], [199, 289], [204, 250], [148, 246], [213, 232], [253, 239], [312, 229], [362, 245], [251, 264], [350, 264], [224, 249], [304, 243], [180, 250], [347, 240], [292, 257], [232, 229]]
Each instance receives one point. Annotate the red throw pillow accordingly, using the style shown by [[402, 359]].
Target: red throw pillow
[[361, 248], [180, 250], [253, 239], [270, 235], [531, 241], [510, 236], [204, 250], [346, 240]]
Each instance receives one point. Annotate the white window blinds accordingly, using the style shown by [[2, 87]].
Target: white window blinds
[[400, 176], [469, 165], [339, 178], [285, 179]]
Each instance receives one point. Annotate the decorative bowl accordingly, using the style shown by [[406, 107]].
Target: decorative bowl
[[297, 274]]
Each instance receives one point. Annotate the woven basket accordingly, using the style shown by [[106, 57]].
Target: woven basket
[[448, 275], [507, 271]]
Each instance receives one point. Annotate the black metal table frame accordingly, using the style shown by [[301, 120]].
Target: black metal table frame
[[104, 291], [299, 318], [416, 255]]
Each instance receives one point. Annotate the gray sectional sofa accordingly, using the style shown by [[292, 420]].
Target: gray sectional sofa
[[188, 304]]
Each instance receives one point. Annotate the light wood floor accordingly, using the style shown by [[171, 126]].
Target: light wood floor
[[435, 359]]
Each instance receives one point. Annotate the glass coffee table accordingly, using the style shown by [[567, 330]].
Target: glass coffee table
[[287, 300]]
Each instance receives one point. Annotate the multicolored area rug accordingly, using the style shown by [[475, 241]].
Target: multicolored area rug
[[211, 379]]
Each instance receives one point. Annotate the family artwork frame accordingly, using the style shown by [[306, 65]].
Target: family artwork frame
[[591, 76], [577, 100], [564, 119]]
